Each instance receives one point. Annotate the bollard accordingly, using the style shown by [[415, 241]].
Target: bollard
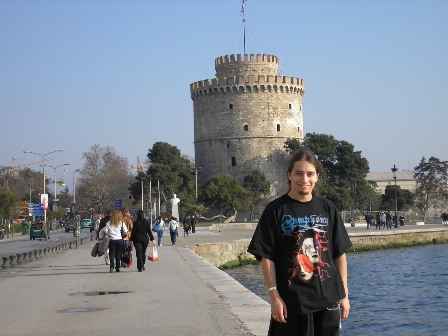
[[6, 263], [20, 258], [13, 260]]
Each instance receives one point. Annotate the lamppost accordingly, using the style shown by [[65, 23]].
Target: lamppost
[[394, 171], [43, 173], [196, 172], [54, 169], [74, 190]]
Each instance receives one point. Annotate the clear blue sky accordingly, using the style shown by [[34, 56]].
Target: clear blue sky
[[117, 73]]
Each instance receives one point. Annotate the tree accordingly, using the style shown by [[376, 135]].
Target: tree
[[343, 179], [8, 204], [432, 178], [259, 188], [172, 172], [222, 192], [104, 178], [405, 199]]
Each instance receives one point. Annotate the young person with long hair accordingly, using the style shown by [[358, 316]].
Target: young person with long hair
[[113, 230], [301, 241]]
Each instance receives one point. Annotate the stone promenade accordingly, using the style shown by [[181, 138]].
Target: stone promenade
[[72, 293]]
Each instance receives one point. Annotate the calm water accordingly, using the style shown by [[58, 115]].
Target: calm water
[[393, 292]]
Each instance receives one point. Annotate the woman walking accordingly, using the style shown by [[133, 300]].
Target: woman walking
[[173, 230], [159, 227], [113, 230], [141, 235]]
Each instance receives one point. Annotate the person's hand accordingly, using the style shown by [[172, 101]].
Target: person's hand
[[345, 308], [154, 243], [278, 307]]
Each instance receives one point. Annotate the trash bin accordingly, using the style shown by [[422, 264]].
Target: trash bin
[[25, 228]]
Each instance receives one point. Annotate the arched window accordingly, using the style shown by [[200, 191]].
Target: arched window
[[231, 106], [298, 129], [290, 106], [278, 127], [246, 128], [228, 145], [233, 161]]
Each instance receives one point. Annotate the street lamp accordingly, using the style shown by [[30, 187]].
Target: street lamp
[[74, 190], [54, 169], [43, 173], [394, 171], [196, 172]]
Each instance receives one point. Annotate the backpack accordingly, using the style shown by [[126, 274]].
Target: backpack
[[173, 225]]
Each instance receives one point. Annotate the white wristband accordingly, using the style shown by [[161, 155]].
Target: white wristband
[[272, 288]]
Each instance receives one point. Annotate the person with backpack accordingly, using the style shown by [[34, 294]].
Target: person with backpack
[[187, 225], [173, 225], [159, 227]]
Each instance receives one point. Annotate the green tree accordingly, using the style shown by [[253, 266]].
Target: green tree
[[8, 205], [405, 199], [343, 179], [431, 176], [172, 172], [223, 193], [259, 188]]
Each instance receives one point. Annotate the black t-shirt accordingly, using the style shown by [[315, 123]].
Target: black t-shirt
[[303, 239]]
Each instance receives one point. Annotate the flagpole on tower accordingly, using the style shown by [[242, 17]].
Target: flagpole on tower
[[244, 25]]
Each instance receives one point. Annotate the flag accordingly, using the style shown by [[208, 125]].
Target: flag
[[242, 8]]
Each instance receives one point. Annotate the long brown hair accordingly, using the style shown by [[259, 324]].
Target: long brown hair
[[116, 218]]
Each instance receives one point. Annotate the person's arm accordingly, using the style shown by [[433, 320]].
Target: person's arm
[[341, 265], [278, 307]]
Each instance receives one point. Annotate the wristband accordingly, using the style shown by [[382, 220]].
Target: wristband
[[272, 288]]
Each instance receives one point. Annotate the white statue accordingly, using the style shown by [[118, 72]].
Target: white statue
[[174, 208]]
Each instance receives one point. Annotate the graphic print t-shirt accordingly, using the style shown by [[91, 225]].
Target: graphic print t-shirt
[[303, 239]]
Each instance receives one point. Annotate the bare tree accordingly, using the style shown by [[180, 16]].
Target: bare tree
[[104, 178]]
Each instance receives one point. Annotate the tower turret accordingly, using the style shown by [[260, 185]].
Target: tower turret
[[243, 117]]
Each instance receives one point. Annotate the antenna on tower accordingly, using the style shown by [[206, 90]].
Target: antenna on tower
[[244, 24]]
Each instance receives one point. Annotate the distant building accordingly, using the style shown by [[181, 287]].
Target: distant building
[[405, 179]]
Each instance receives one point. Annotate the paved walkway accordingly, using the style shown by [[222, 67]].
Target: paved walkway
[[73, 293], [179, 295]]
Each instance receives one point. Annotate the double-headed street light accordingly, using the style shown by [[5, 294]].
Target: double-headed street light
[[43, 173], [394, 171], [54, 168]]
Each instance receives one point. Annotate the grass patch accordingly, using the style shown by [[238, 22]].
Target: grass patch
[[239, 262], [396, 245]]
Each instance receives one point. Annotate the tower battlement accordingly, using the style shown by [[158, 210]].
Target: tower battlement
[[246, 64], [251, 83]]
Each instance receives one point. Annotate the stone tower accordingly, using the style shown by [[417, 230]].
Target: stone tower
[[243, 117]]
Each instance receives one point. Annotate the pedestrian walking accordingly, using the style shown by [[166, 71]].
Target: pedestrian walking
[[159, 228], [301, 241], [113, 230], [173, 225], [193, 224], [127, 244], [368, 219], [141, 235], [187, 226]]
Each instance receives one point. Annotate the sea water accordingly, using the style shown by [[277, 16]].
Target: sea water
[[392, 292]]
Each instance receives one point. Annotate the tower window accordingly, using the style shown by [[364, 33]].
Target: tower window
[[233, 161], [290, 106], [298, 129], [228, 145], [246, 128], [231, 106], [278, 127]]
